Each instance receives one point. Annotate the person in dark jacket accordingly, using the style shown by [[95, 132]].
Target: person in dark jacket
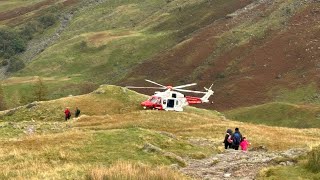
[[77, 112], [228, 139], [236, 139]]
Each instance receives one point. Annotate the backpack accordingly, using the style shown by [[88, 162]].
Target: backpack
[[236, 139], [229, 139]]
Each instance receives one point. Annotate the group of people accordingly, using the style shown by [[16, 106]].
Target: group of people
[[67, 113], [234, 140]]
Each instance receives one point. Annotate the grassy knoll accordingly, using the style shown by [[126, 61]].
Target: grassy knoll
[[113, 132], [279, 114]]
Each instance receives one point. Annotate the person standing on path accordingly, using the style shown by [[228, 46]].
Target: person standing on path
[[67, 114], [236, 139], [77, 112], [228, 139], [244, 144]]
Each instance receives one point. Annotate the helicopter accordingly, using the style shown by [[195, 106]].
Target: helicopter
[[172, 99]]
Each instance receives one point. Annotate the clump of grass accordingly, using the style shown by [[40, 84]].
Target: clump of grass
[[313, 158], [127, 170]]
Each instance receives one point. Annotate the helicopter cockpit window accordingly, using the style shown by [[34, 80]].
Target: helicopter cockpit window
[[164, 101], [174, 95], [153, 100]]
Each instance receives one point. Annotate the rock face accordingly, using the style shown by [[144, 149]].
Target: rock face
[[234, 164]]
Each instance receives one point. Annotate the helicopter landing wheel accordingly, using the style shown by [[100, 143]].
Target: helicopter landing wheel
[[144, 107]]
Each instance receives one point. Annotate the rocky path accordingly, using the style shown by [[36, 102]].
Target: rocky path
[[233, 164]]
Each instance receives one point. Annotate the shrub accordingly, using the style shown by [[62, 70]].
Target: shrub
[[29, 30], [48, 20], [11, 43], [2, 99], [40, 90], [15, 64]]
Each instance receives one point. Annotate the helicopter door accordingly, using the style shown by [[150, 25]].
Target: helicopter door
[[170, 103]]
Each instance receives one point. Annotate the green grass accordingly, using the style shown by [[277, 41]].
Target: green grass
[[313, 160], [127, 144], [307, 168], [106, 63], [279, 114], [291, 172], [305, 94]]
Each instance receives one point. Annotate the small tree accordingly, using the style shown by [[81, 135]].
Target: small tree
[[40, 90], [15, 99], [2, 99]]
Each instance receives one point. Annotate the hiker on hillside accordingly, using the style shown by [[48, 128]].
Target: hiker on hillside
[[228, 139], [236, 139], [244, 144], [67, 114], [77, 112]]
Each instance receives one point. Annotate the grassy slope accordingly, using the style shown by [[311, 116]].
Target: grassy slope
[[7, 5], [279, 114], [112, 128]]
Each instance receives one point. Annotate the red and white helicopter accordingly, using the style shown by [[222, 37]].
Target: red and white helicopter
[[171, 99]]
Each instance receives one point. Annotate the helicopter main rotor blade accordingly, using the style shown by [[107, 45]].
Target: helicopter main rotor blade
[[134, 87], [155, 83], [183, 86], [185, 90]]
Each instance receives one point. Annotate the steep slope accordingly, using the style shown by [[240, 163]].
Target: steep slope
[[259, 51]]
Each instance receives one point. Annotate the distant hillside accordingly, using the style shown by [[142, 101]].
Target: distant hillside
[[251, 56], [103, 40], [251, 50]]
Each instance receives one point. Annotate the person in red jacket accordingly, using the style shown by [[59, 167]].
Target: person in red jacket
[[67, 114]]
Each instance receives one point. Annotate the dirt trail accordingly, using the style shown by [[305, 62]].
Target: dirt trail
[[234, 164]]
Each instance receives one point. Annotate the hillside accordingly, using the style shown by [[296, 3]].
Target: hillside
[[114, 133], [279, 114], [251, 57], [256, 49], [100, 41]]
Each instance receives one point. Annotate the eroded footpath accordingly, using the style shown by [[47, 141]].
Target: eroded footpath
[[232, 164]]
